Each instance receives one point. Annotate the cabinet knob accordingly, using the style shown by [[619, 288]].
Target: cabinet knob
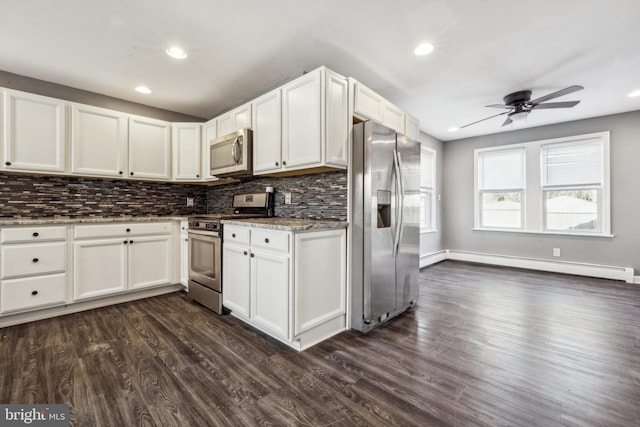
[[284, 163], [245, 252], [277, 164], [36, 234], [128, 230], [125, 242], [34, 293], [121, 173], [197, 175], [266, 240], [252, 255], [186, 240], [130, 173], [7, 163], [35, 260], [131, 242], [233, 234]]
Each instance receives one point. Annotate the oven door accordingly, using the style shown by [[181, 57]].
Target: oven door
[[204, 259]]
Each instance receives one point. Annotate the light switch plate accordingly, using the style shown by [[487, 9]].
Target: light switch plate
[[189, 201], [287, 198]]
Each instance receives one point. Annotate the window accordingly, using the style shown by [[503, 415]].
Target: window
[[500, 182], [427, 189], [564, 190], [572, 185]]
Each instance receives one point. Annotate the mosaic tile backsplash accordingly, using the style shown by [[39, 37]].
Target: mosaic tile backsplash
[[318, 196]]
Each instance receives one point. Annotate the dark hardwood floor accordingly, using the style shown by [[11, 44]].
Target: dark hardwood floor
[[485, 346]]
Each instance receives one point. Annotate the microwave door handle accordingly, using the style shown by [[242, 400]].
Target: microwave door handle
[[235, 152]]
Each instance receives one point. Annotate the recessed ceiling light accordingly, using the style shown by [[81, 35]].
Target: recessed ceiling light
[[176, 52], [143, 89], [634, 94], [453, 129], [423, 49]]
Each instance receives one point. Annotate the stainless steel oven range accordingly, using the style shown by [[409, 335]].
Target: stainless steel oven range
[[205, 247]]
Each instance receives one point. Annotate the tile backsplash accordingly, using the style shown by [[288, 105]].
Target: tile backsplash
[[40, 196], [317, 196]]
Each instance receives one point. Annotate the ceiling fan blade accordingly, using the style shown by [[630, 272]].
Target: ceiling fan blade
[[507, 122], [486, 118], [567, 104], [561, 92], [499, 106]]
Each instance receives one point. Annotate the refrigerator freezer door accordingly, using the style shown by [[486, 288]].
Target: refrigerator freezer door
[[380, 217], [407, 259]]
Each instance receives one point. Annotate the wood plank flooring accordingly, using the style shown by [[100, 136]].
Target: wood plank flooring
[[485, 346]]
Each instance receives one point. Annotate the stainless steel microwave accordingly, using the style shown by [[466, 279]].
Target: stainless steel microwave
[[231, 155]]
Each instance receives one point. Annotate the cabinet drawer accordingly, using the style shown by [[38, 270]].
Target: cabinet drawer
[[122, 229], [269, 239], [33, 259], [33, 292], [32, 234], [238, 235]]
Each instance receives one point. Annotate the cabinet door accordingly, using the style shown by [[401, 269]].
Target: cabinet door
[[149, 148], [99, 267], [34, 137], [393, 117], [236, 279], [412, 127], [336, 119], [267, 132], [367, 103], [225, 124], [302, 121], [209, 133], [98, 141], [242, 117], [186, 151], [270, 292], [150, 261]]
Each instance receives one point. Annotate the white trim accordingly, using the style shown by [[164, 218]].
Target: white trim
[[566, 267], [552, 233], [432, 258], [636, 280]]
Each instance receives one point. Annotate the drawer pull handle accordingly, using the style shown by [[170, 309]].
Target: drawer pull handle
[[36, 234], [266, 240], [245, 252], [34, 293], [35, 260]]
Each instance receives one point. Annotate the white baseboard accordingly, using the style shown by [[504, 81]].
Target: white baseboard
[[432, 258], [567, 267]]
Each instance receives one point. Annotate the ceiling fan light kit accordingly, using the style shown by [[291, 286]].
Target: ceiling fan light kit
[[520, 105]]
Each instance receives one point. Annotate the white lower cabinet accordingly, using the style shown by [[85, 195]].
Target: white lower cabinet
[[33, 268], [119, 257], [278, 281]]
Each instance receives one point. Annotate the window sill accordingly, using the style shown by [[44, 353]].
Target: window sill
[[549, 233], [428, 231]]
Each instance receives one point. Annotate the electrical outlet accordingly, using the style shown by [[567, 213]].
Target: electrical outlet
[[287, 198], [556, 251], [189, 201]]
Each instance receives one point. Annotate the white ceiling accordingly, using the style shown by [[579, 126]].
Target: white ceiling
[[241, 48]]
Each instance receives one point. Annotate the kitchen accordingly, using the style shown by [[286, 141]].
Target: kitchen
[[161, 372]]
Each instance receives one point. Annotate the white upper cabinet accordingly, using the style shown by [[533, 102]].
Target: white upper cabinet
[[267, 132], [98, 141], [234, 120], [33, 133], [149, 148], [369, 105], [314, 124], [187, 151], [209, 133], [412, 127]]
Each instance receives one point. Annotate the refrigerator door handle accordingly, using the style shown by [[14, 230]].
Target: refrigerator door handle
[[401, 198], [399, 192]]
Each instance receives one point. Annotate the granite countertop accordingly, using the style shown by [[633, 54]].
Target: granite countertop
[[288, 224], [86, 220]]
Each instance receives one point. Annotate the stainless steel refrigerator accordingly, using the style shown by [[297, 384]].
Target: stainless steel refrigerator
[[385, 216]]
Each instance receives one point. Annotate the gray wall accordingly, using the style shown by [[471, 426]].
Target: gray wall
[[433, 242], [622, 250]]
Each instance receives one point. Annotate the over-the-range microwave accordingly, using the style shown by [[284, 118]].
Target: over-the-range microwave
[[231, 155]]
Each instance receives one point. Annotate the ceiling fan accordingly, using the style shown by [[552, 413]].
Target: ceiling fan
[[520, 105]]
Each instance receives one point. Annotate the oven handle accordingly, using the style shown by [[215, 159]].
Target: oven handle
[[204, 233]]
